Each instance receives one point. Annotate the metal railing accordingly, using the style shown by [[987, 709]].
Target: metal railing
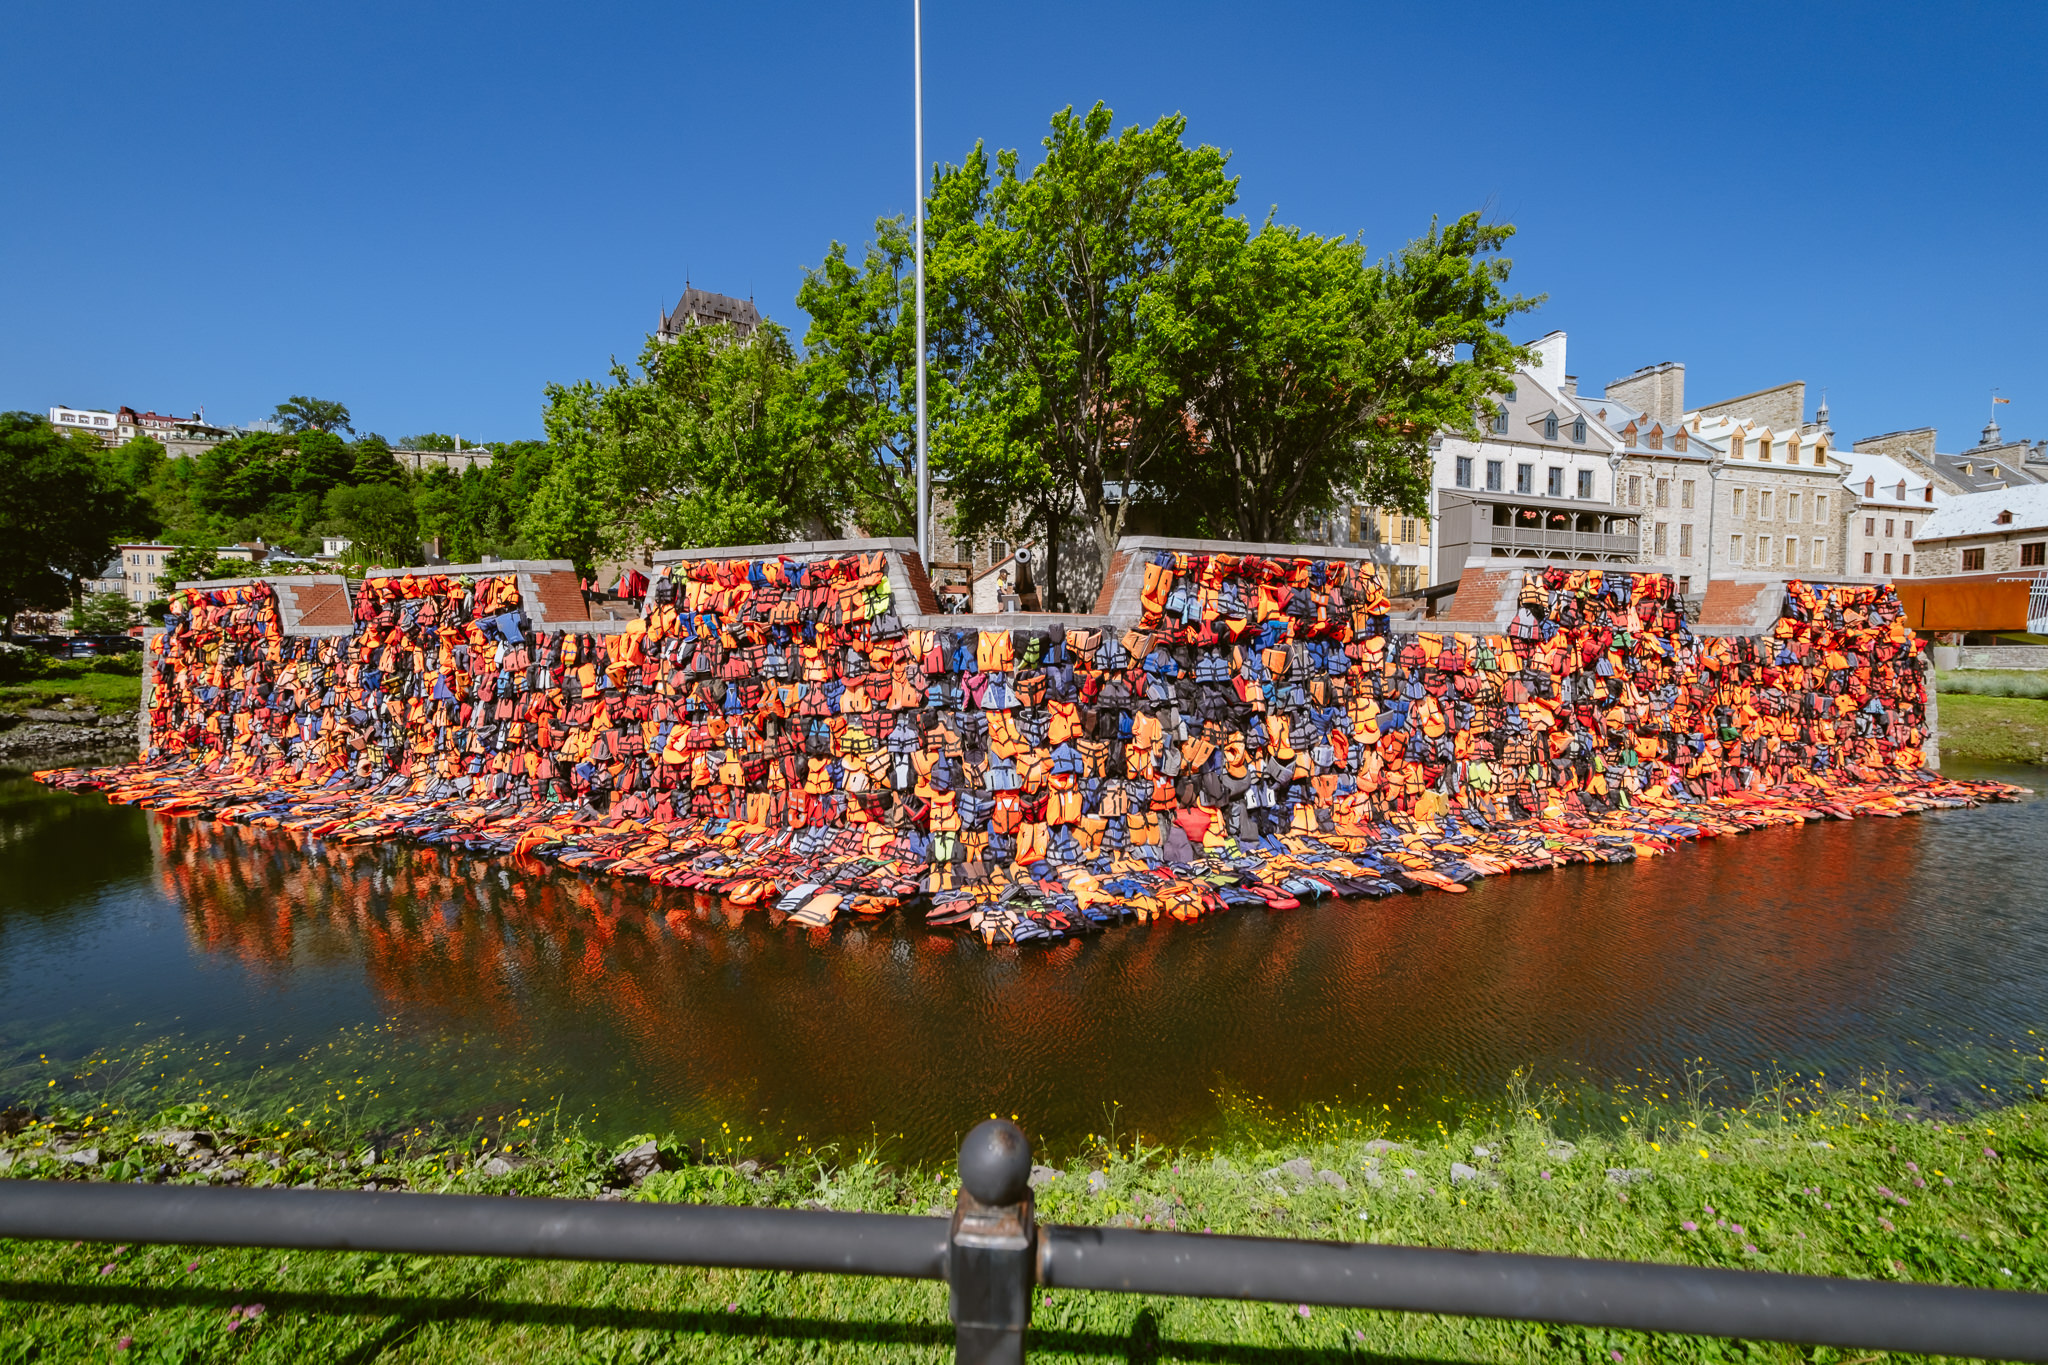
[[993, 1253]]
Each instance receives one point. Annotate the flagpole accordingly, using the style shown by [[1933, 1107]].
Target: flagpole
[[924, 474]]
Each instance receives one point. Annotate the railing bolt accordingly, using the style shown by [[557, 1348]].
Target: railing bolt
[[990, 1260]]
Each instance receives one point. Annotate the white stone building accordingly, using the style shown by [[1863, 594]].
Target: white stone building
[[2002, 531], [1888, 503]]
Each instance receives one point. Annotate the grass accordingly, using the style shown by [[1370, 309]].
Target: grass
[[1804, 1179], [1994, 729], [107, 691]]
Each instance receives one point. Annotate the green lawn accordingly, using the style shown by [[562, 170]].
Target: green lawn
[[107, 691], [1993, 729], [1816, 1182]]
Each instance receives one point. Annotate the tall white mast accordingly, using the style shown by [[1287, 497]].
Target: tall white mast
[[924, 474]]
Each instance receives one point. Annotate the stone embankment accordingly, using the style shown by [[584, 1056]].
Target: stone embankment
[[68, 728]]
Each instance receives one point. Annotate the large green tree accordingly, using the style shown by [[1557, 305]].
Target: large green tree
[[380, 521], [58, 514], [300, 413], [1073, 406], [1310, 377], [716, 440]]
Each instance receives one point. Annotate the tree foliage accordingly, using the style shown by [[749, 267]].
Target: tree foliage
[[1310, 376], [300, 413], [1110, 336], [59, 510], [380, 522], [860, 373], [103, 613], [1053, 278]]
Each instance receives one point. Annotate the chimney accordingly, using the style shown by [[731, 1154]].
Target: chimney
[[1571, 386], [1658, 390], [1548, 362]]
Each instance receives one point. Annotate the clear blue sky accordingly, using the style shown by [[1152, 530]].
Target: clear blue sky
[[429, 210]]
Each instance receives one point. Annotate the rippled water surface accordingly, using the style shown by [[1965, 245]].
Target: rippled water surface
[[454, 984]]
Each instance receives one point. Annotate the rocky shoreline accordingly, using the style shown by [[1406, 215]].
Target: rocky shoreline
[[47, 731]]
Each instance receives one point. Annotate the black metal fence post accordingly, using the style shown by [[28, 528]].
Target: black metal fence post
[[991, 1254]]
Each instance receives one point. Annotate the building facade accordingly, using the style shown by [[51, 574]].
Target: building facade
[[1664, 473], [2001, 531], [1537, 482], [1781, 506], [701, 308], [1888, 504], [1993, 463], [141, 567]]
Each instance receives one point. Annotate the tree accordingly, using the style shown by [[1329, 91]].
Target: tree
[[58, 514], [860, 375], [300, 413], [1310, 376], [103, 613], [437, 501], [432, 440], [374, 463], [713, 442], [1072, 396], [194, 563], [380, 522]]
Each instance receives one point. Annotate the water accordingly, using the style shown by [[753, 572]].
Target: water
[[420, 984]]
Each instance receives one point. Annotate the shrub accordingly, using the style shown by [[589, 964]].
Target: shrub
[[1985, 682]]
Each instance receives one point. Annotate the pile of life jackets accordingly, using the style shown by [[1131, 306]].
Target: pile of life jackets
[[770, 731]]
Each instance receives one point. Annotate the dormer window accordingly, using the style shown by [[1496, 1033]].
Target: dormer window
[[1735, 445], [1656, 438], [1870, 486], [1763, 450], [1902, 490], [1678, 439], [1579, 430], [2005, 518], [1550, 426], [1820, 453]]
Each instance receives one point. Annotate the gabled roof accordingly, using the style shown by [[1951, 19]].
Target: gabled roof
[[1977, 514], [1888, 474]]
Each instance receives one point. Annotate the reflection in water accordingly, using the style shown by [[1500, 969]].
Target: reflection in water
[[1831, 946]]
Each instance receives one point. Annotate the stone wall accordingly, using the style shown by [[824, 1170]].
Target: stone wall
[[1781, 408], [2020, 657], [1658, 390]]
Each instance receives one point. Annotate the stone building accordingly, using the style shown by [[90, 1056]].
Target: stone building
[[1766, 487], [701, 308], [1887, 504], [2001, 531], [1780, 505], [1993, 463], [1663, 471]]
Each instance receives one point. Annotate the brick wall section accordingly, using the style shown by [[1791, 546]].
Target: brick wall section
[[1479, 594], [320, 604], [560, 599], [1110, 581], [920, 582], [1747, 604]]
